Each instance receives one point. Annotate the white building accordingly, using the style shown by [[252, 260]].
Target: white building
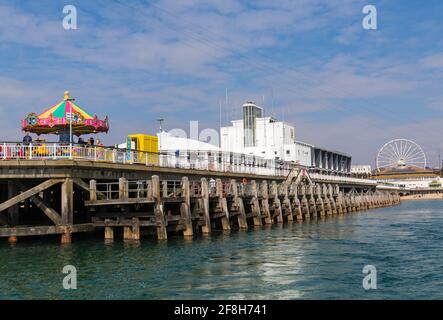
[[262, 136], [361, 170], [272, 139]]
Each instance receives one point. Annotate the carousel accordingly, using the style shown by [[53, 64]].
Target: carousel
[[65, 119]]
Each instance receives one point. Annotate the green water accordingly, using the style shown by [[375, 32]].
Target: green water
[[320, 259]]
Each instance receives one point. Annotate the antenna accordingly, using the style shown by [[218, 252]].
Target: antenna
[[272, 103], [220, 115], [226, 103], [160, 123]]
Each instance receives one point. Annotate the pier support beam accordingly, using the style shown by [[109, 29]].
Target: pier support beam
[[277, 204], [223, 204], [204, 206], [67, 201], [12, 240], [66, 238], [185, 209], [286, 203], [265, 203], [123, 189], [158, 209], [67, 204], [238, 202], [109, 233], [255, 205]]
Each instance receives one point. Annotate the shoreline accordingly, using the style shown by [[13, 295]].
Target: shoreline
[[432, 196]]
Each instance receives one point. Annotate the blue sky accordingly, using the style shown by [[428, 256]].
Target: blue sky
[[343, 87]]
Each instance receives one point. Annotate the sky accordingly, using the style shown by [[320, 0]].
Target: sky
[[307, 62]]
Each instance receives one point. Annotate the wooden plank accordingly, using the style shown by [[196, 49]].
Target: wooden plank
[[45, 230], [42, 205], [29, 193], [89, 203], [121, 222]]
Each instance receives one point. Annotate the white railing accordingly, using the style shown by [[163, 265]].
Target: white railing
[[201, 160], [341, 179]]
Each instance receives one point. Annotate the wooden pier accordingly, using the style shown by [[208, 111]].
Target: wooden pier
[[68, 196]]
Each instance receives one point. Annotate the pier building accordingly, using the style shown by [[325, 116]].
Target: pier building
[[363, 171], [270, 138]]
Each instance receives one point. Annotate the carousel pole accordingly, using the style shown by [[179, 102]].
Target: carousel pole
[[67, 98]]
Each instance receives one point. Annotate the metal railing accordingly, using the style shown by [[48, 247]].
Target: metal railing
[[184, 159], [329, 178]]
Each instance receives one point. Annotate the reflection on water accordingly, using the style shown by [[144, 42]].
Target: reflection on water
[[321, 259]]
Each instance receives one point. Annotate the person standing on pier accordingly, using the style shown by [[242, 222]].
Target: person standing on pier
[[27, 139]]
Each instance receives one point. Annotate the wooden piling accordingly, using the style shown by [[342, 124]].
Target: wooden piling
[[204, 204], [123, 193], [109, 233], [255, 205], [185, 209], [92, 190], [238, 202], [277, 204], [222, 204], [158, 209], [12, 239], [266, 213], [67, 201]]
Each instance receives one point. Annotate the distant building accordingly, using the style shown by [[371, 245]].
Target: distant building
[[361, 170], [412, 178], [269, 138]]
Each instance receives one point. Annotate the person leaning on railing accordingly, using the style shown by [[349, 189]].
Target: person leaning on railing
[[100, 150]]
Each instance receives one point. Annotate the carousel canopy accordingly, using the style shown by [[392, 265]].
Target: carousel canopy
[[56, 120]]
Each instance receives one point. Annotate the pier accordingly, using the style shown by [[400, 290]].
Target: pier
[[85, 189]]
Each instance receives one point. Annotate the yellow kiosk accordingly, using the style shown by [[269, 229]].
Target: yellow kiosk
[[146, 147]]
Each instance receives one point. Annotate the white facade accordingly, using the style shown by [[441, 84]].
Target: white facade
[[272, 140], [361, 169], [168, 142]]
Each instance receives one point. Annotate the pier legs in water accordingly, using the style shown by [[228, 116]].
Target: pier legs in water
[[224, 203], [67, 209], [109, 233], [12, 240]]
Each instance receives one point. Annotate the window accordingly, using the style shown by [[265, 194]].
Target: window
[[288, 152]]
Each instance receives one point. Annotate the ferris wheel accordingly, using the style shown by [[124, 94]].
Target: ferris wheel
[[400, 153]]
